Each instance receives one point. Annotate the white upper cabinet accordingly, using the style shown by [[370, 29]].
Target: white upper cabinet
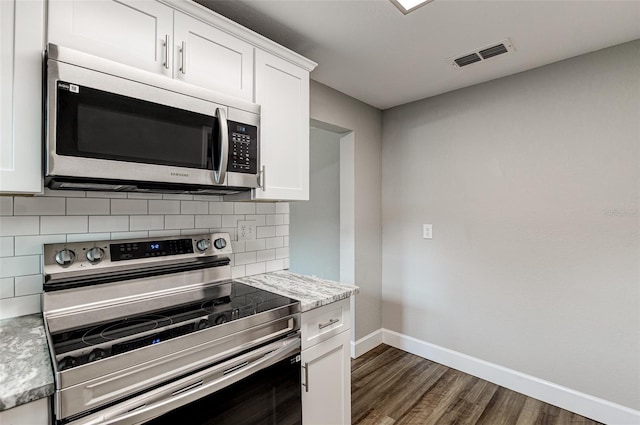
[[153, 36], [210, 58], [21, 45], [132, 32], [282, 91]]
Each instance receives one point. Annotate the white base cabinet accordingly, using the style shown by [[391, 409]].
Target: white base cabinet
[[326, 365], [33, 413], [21, 46]]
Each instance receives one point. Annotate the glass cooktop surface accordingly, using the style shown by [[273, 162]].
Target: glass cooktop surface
[[219, 304]]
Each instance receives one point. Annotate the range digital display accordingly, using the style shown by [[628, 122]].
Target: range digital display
[[132, 251]]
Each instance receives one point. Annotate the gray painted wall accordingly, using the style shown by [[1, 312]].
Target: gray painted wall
[[314, 227], [330, 106], [532, 184]]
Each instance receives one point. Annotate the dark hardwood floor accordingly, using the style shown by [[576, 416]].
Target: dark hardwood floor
[[390, 386]]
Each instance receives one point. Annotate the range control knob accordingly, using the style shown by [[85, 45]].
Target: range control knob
[[203, 324], [97, 354], [66, 363], [65, 258], [219, 320], [203, 245], [220, 243], [95, 255]]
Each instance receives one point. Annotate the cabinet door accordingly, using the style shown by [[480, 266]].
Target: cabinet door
[[326, 388], [133, 32], [32, 413], [208, 57], [21, 35], [282, 91]]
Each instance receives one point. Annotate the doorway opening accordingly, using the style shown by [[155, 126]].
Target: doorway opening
[[322, 230]]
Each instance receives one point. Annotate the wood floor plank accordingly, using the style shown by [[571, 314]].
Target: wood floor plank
[[390, 387], [374, 417], [503, 409], [373, 380], [470, 404], [569, 418], [410, 387], [369, 372], [434, 404], [369, 355], [530, 412]]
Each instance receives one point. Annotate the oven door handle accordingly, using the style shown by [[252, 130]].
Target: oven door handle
[[192, 388]]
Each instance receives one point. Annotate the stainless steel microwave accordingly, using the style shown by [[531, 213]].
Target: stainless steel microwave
[[109, 126]]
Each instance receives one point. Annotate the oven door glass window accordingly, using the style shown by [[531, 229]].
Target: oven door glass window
[[96, 124], [271, 396]]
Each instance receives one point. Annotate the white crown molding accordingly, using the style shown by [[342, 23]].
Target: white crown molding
[[224, 24]]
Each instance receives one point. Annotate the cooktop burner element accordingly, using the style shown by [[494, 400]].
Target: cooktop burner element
[[125, 328]]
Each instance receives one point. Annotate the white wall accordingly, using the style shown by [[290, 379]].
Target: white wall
[[330, 106], [314, 240], [532, 184], [68, 216]]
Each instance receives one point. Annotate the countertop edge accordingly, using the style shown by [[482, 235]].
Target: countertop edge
[[27, 396], [27, 374], [311, 291]]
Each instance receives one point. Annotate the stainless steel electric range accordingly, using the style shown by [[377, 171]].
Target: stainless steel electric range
[[155, 331]]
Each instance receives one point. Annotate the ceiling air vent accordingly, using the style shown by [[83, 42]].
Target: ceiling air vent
[[482, 54], [468, 60]]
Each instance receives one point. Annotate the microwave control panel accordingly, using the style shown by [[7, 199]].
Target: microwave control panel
[[243, 148]]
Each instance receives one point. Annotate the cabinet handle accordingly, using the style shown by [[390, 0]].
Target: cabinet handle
[[263, 170], [329, 323], [183, 58], [306, 377], [165, 44]]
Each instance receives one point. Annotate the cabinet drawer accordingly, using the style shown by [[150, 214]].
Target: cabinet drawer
[[324, 322]]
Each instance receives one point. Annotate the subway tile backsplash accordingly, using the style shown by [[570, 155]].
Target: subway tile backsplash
[[26, 223]]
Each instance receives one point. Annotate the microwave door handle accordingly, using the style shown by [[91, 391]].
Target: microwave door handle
[[223, 134]]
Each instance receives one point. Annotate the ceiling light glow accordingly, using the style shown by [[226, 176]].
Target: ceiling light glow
[[407, 6]]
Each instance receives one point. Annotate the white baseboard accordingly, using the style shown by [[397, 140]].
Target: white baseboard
[[557, 395], [366, 343]]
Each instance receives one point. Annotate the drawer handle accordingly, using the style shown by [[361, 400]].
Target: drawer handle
[[329, 323], [305, 384]]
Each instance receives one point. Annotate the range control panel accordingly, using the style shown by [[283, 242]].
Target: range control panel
[[72, 259], [243, 148]]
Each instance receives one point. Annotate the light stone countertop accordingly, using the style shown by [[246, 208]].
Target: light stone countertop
[[25, 366], [311, 291]]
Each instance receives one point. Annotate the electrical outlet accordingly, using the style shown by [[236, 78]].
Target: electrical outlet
[[246, 230], [427, 231]]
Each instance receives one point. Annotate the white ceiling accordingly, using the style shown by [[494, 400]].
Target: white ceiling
[[369, 50]]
